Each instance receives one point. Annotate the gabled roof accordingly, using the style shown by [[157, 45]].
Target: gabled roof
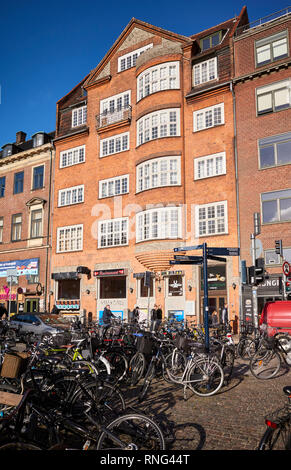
[[134, 23]]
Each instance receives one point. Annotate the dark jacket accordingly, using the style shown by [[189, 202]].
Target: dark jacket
[[159, 314], [154, 314], [107, 315], [3, 311]]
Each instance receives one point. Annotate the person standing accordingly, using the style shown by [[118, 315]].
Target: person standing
[[214, 318], [3, 312], [225, 315], [153, 317], [135, 314], [159, 317]]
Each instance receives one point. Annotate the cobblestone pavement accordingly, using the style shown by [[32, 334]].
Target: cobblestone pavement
[[233, 419]]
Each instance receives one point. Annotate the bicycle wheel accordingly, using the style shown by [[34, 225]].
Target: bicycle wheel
[[108, 401], [276, 439], [147, 381], [175, 364], [136, 368], [205, 377], [19, 446], [265, 364], [245, 348], [118, 363], [227, 363], [134, 432]]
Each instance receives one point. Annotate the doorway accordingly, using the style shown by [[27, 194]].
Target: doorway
[[31, 305], [214, 303]]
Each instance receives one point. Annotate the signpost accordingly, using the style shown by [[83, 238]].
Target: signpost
[[208, 253], [11, 275]]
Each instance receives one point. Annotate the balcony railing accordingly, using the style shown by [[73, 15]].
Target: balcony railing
[[112, 117], [262, 21]]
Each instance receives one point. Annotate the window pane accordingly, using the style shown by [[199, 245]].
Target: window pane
[[285, 209], [280, 48], [264, 54], [281, 98], [284, 153], [270, 212], [267, 156], [265, 103]]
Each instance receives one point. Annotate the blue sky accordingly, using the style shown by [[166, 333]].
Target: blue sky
[[46, 48]]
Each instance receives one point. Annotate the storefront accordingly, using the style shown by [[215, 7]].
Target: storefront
[[174, 285], [217, 289], [67, 291], [269, 291], [112, 290]]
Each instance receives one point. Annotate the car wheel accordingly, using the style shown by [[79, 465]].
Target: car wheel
[[47, 338]]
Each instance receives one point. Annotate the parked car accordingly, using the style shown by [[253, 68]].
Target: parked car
[[276, 315], [39, 324]]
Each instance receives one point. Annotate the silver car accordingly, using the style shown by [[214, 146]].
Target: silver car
[[40, 325]]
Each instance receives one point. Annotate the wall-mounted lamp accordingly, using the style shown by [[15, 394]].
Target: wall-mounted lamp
[[233, 285], [159, 288], [51, 292], [189, 288], [131, 290], [87, 291]]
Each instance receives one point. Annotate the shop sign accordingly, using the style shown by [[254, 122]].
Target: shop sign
[[172, 273], [68, 304], [23, 267], [216, 278], [6, 295], [110, 272]]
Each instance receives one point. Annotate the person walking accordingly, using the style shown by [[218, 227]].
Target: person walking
[[214, 318]]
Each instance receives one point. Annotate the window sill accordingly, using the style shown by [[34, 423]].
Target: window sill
[[208, 128]]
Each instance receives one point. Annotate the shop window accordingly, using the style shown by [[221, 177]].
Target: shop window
[[113, 287], [69, 289]]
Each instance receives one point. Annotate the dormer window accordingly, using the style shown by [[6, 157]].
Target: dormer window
[[79, 116], [9, 149], [40, 138], [211, 40]]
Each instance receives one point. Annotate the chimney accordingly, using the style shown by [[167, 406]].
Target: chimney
[[20, 137]]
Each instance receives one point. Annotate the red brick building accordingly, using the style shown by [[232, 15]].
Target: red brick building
[[145, 163], [26, 168], [262, 82]]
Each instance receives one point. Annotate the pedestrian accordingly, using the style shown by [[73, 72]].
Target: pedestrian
[[225, 315], [214, 318], [154, 317], [55, 310], [135, 314], [106, 318], [159, 315], [3, 313]]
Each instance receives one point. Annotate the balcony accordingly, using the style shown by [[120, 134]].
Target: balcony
[[116, 117], [286, 12]]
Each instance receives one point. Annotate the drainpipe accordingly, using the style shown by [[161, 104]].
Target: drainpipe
[[237, 195], [48, 239]]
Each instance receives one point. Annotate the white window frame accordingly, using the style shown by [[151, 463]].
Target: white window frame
[[159, 224], [68, 237], [71, 196], [127, 61], [214, 206], [205, 71], [114, 144], [110, 185], [269, 94], [79, 116], [115, 102], [206, 118], [157, 125], [268, 44], [211, 166], [158, 78], [157, 173], [75, 154], [110, 225]]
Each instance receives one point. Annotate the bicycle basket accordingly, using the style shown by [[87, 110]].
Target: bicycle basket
[[14, 364], [144, 344], [181, 342]]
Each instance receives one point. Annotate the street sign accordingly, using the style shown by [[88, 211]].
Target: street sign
[[286, 268], [177, 261], [216, 258], [189, 258], [188, 248], [223, 251], [258, 248]]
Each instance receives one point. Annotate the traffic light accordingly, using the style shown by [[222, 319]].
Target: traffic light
[[256, 274], [288, 284], [279, 247]]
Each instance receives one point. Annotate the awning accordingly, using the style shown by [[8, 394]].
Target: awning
[[65, 275]]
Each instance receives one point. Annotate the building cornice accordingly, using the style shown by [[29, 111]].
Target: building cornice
[[264, 71]]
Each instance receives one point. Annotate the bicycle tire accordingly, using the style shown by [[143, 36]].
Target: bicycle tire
[[208, 375], [276, 439], [137, 432], [227, 363], [109, 400], [147, 381], [11, 446], [136, 368], [246, 348], [265, 364], [118, 364], [175, 364]]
